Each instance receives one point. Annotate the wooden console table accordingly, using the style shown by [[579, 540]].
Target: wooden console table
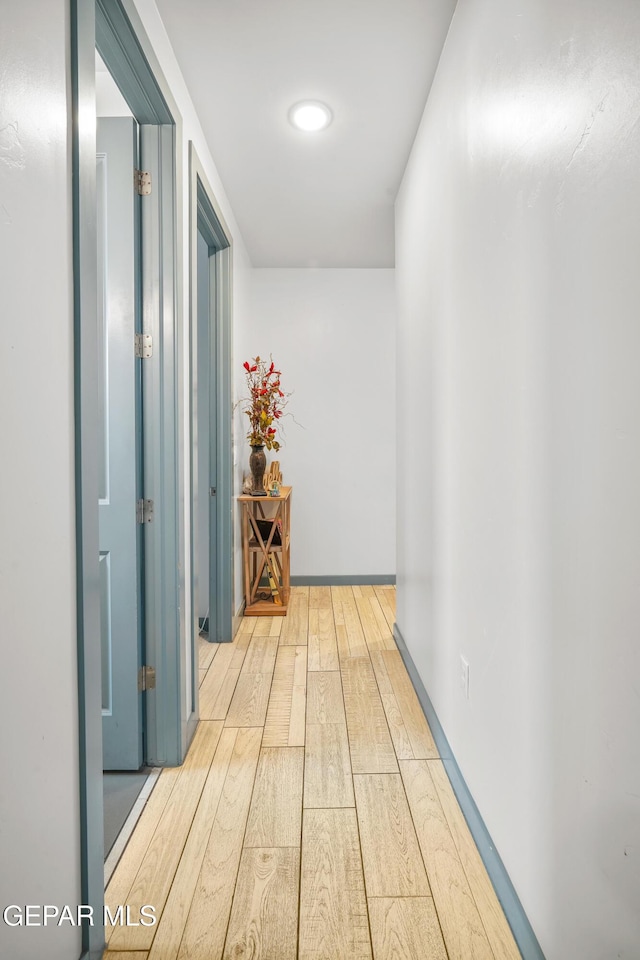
[[265, 520]]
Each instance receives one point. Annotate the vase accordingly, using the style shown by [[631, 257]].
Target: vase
[[257, 465]]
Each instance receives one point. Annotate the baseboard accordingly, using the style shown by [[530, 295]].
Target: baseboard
[[513, 909], [358, 580]]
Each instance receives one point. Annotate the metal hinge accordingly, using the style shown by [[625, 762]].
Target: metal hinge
[[144, 345], [146, 679], [144, 511], [212, 491], [142, 180]]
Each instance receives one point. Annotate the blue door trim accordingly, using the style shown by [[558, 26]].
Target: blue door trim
[[86, 470], [371, 579], [117, 43], [206, 218], [163, 648]]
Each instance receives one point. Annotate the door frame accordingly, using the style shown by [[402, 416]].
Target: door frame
[[206, 217], [115, 27]]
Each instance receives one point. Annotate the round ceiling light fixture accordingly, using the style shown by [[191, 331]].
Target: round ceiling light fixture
[[310, 115]]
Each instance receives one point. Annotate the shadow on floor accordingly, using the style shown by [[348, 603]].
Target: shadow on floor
[[121, 789]]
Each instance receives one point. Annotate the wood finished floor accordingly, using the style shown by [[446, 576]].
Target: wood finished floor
[[312, 817]]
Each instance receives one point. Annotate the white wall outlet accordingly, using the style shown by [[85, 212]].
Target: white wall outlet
[[464, 675]]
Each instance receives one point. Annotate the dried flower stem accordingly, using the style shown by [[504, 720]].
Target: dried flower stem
[[265, 403]]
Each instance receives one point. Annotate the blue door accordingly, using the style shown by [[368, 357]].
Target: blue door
[[119, 459]]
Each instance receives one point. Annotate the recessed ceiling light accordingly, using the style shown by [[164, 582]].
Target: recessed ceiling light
[[310, 115]]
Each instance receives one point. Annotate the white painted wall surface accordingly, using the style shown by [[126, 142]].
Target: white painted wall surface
[[518, 230], [109, 100], [332, 334], [39, 792]]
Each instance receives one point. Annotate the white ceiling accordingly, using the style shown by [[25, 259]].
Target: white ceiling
[[301, 199]]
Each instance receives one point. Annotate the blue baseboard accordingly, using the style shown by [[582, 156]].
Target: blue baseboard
[[513, 909], [358, 580]]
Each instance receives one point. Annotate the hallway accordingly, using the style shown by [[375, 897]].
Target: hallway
[[312, 817]]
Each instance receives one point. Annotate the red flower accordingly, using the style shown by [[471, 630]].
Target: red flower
[[263, 403]]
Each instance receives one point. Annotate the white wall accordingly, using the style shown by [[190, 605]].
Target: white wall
[[109, 100], [518, 230], [332, 334], [39, 792]]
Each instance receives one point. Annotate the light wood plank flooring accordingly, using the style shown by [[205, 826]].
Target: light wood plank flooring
[[312, 818]]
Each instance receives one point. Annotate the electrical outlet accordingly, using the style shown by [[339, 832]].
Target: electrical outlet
[[464, 675]]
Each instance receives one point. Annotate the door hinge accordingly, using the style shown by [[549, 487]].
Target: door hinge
[[144, 511], [212, 491], [146, 679], [144, 345], [142, 180]]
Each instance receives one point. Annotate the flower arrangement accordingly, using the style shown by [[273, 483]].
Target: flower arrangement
[[265, 403]]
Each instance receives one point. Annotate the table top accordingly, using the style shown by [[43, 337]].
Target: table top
[[285, 493]]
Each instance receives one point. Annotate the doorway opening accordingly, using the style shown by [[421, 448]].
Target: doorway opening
[[211, 420], [121, 482], [204, 445]]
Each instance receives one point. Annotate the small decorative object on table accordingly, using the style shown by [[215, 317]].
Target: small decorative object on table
[[273, 479], [263, 406]]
